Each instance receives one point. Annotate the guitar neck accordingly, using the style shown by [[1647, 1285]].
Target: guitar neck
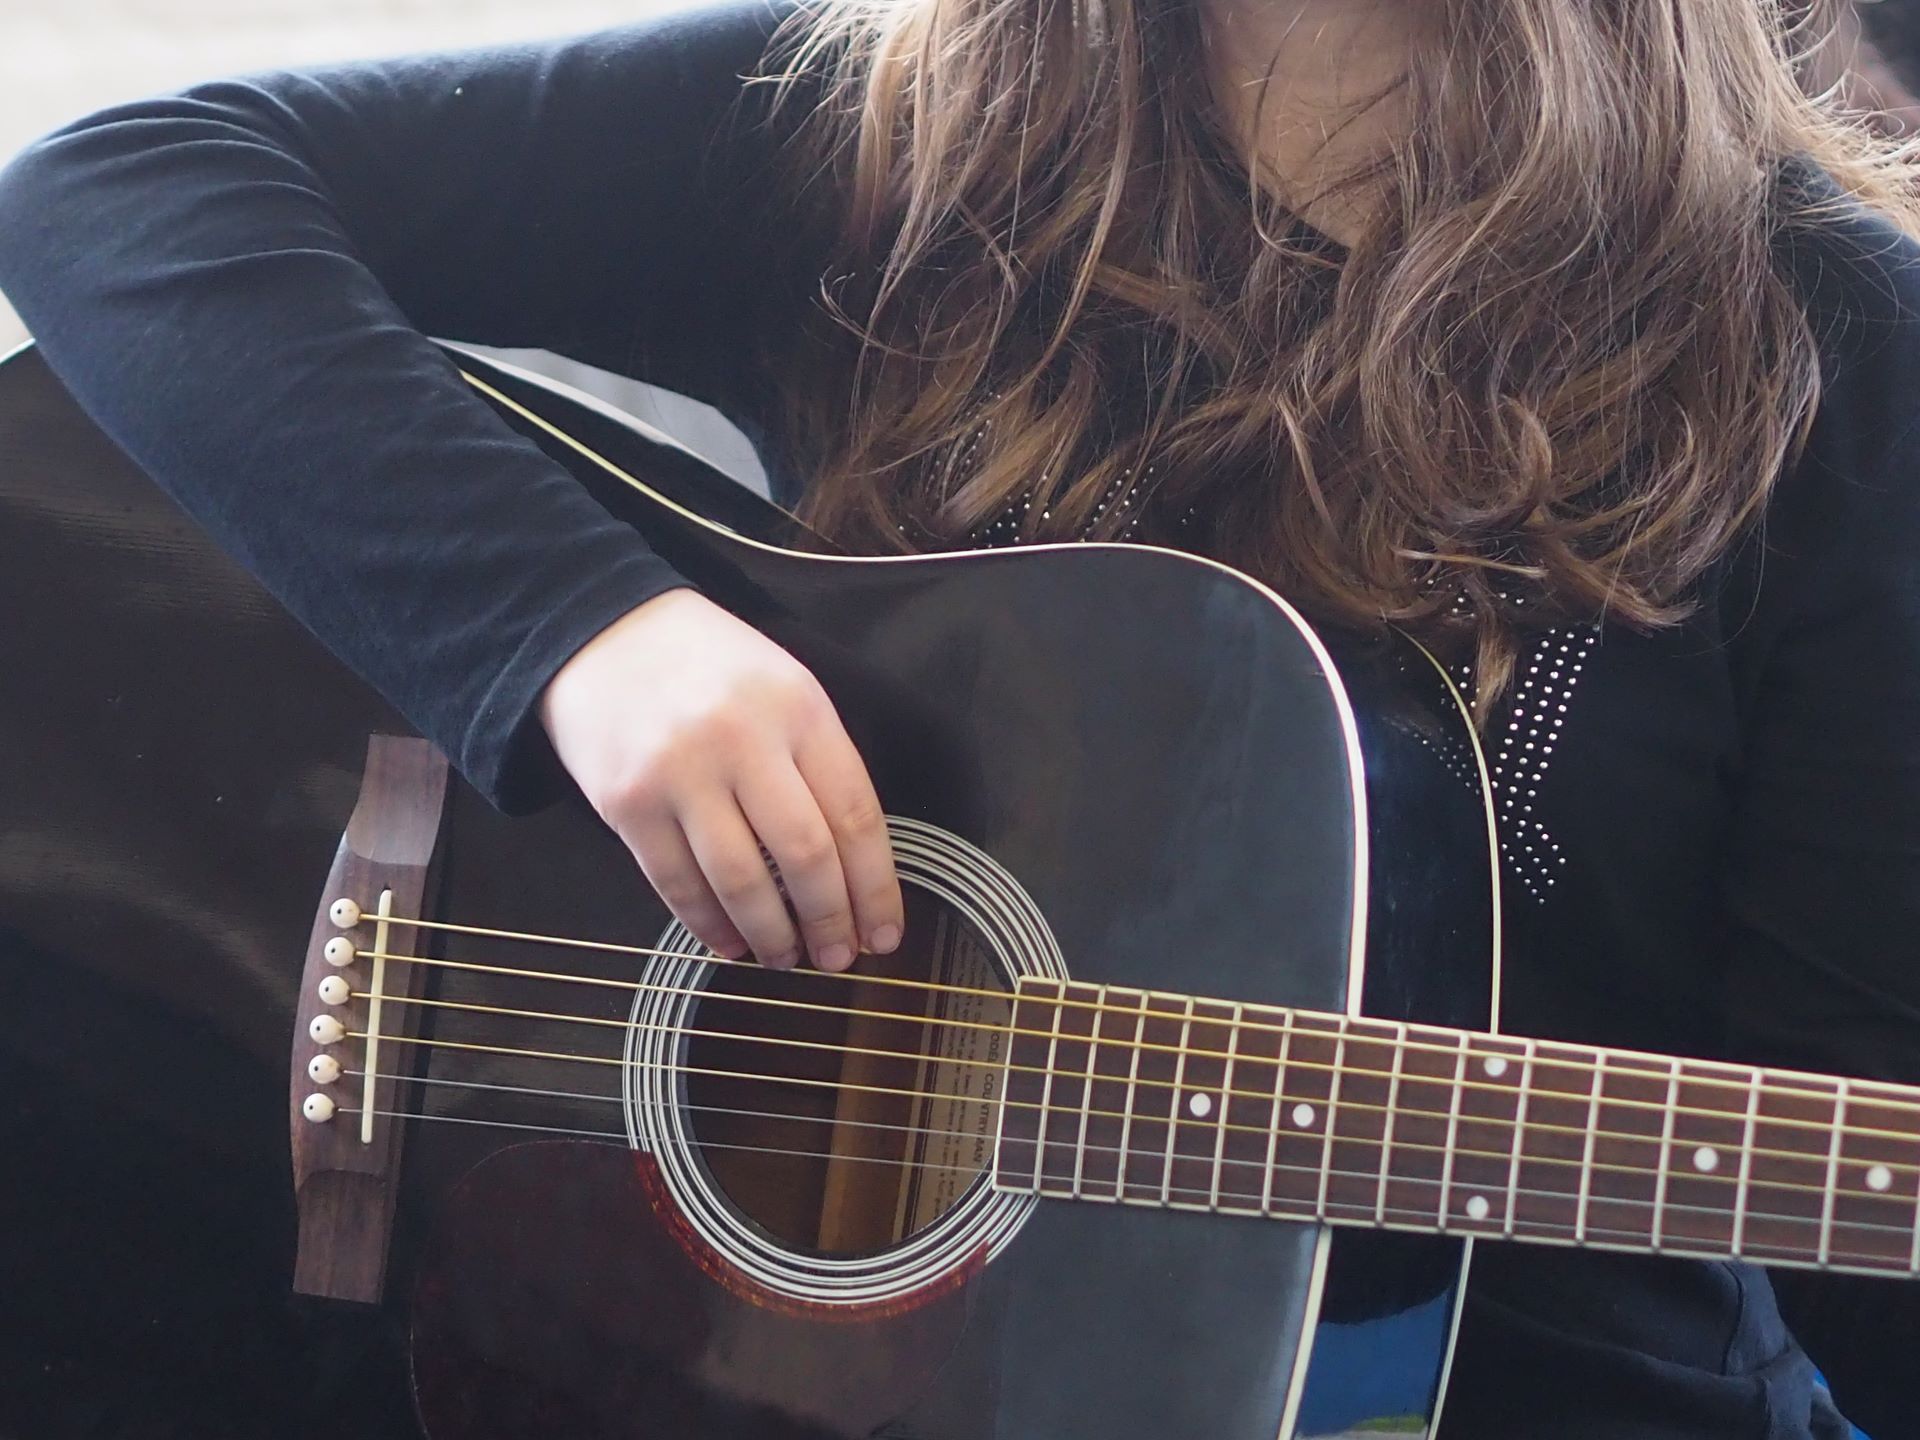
[[1124, 1096]]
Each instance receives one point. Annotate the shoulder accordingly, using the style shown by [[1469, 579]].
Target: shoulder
[[722, 38], [1857, 273], [1853, 494], [672, 72], [703, 35], [1821, 600], [659, 79]]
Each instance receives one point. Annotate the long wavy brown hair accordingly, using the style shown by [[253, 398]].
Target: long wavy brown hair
[[1552, 380]]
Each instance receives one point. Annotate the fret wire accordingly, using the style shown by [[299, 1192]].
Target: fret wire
[[1346, 1212], [1279, 1106], [1032, 1105], [1786, 1186], [1453, 1130], [1418, 1221], [1333, 1114], [1891, 1093], [1586, 1158], [1126, 1123], [1362, 1208], [1913, 1258], [1360, 1212], [1833, 1169], [1855, 1225], [1086, 1096], [1173, 1105], [1741, 1194], [1402, 1220], [1226, 1103], [1519, 1132], [1386, 1124], [1454, 1037], [1046, 1093], [1666, 1152]]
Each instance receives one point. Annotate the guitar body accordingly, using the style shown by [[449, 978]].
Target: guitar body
[[1154, 756]]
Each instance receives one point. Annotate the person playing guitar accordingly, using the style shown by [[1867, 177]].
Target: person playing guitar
[[1573, 340]]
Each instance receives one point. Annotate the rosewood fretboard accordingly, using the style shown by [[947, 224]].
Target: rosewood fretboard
[[1122, 1096]]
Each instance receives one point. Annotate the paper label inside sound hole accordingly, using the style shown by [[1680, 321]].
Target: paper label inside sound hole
[[962, 1049]]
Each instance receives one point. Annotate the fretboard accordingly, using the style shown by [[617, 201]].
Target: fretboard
[[1116, 1095]]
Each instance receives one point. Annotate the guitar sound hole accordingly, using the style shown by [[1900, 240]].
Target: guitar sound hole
[[851, 1114]]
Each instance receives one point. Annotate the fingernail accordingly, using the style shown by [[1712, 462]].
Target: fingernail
[[836, 956], [784, 961], [885, 938]]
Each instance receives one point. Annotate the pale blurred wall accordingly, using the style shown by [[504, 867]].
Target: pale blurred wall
[[60, 59]]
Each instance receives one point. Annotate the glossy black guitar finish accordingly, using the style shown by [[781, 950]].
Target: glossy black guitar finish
[[1149, 744]]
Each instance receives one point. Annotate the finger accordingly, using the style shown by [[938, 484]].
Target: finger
[[838, 778], [667, 861], [785, 815], [729, 856]]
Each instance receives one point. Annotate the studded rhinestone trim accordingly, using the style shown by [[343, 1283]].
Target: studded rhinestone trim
[[1519, 753]]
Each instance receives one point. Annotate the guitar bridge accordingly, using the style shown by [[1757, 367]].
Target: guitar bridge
[[346, 1132]]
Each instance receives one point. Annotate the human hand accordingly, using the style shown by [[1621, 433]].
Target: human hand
[[699, 740]]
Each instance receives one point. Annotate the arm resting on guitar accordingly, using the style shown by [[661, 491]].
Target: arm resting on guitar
[[237, 283]]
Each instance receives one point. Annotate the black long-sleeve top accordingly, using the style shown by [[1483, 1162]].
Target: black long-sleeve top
[[1711, 836]]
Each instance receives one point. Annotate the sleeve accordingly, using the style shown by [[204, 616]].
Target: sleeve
[[236, 282], [1822, 881], [1822, 874]]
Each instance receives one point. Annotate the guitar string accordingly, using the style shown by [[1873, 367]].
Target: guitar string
[[930, 1131], [594, 456], [610, 467], [1428, 1219], [1857, 1131], [1369, 1177], [1327, 1137], [1905, 1100], [1227, 1095], [960, 1101], [963, 1101]]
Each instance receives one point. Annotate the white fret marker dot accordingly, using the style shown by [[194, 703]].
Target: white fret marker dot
[[1706, 1159], [1201, 1106], [1496, 1066], [1478, 1208], [1879, 1177], [1303, 1116]]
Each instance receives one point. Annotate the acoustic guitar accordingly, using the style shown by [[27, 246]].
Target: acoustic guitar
[[1178, 1115]]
